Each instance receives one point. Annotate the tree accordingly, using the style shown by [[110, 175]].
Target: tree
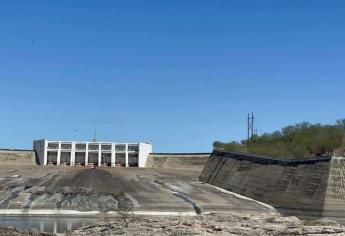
[[124, 210], [293, 141], [341, 124]]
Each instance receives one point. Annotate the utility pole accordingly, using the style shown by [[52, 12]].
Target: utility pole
[[250, 129]]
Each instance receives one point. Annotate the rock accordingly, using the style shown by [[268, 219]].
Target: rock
[[15, 176], [36, 190]]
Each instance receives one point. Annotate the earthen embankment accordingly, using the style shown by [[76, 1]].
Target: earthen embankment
[[177, 160], [17, 157]]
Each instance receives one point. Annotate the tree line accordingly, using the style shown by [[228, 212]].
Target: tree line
[[293, 141]]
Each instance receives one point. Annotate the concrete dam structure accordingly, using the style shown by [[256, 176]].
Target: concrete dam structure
[[315, 186], [84, 153], [17, 157], [177, 160]]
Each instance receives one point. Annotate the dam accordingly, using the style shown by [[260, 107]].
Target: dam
[[83, 153], [171, 184], [16, 157], [315, 186]]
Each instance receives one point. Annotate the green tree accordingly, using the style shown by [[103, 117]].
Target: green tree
[[341, 124], [293, 141]]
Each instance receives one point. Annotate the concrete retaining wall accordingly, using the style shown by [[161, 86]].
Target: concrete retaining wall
[[17, 157], [314, 185], [177, 160]]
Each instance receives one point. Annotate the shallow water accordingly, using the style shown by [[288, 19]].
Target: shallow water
[[339, 220], [312, 215], [47, 223]]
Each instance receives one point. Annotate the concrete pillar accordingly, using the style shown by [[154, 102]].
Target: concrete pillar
[[59, 155], [113, 154], [144, 150], [55, 227], [72, 160], [99, 154], [87, 154], [69, 226], [41, 226], [45, 158], [126, 154]]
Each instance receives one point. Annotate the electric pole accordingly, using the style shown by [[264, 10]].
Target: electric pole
[[250, 129]]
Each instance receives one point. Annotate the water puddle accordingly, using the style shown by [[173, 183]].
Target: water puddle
[[47, 224]]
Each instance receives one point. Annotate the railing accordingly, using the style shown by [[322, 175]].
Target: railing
[[106, 147], [120, 147], [66, 146], [339, 152], [133, 148], [93, 147], [80, 146], [53, 146]]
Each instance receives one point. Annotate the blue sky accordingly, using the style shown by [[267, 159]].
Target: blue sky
[[181, 74]]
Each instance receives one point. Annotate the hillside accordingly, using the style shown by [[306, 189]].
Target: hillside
[[294, 141]]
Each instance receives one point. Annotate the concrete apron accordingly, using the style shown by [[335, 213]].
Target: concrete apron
[[76, 213]]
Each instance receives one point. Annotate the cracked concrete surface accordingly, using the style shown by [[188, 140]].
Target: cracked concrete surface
[[84, 189]]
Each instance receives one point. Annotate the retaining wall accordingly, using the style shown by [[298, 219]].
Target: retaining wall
[[17, 157], [177, 160], [313, 185]]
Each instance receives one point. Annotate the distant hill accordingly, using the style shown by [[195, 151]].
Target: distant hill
[[293, 141]]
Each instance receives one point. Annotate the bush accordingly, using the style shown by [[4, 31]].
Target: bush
[[294, 141]]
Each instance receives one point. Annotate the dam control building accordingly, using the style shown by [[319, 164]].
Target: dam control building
[[83, 153]]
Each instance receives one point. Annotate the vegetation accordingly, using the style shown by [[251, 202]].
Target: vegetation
[[125, 209], [294, 141]]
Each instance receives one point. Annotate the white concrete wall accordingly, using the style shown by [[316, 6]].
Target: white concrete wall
[[144, 150]]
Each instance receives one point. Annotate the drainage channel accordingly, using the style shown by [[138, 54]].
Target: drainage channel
[[180, 195]]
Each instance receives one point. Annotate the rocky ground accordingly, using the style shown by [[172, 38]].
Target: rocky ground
[[213, 224], [11, 231], [204, 224]]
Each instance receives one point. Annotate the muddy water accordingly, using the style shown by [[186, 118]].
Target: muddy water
[[53, 224]]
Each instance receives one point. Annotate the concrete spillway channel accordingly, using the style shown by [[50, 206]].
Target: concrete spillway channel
[[179, 195]]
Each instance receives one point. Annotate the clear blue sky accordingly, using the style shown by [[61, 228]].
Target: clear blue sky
[[178, 73]]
